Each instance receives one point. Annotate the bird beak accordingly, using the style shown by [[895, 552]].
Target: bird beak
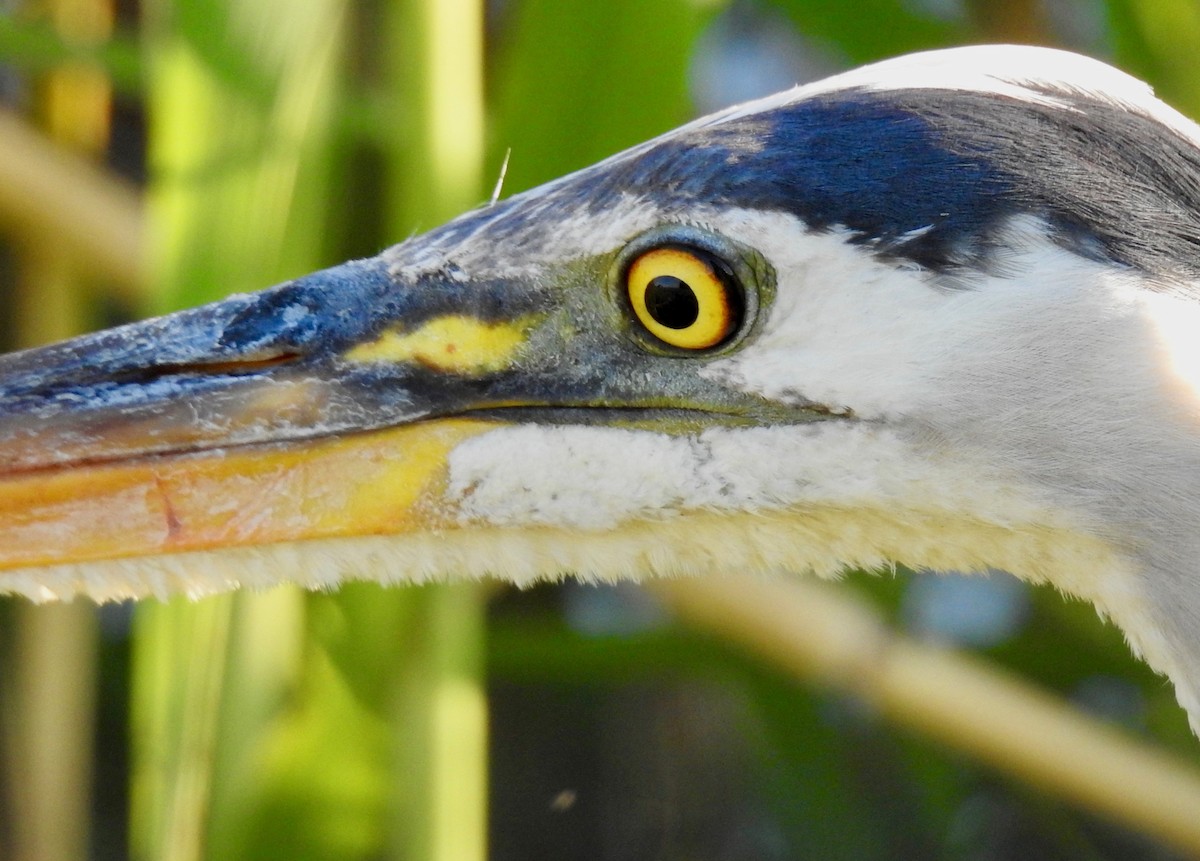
[[310, 410], [316, 409], [322, 408]]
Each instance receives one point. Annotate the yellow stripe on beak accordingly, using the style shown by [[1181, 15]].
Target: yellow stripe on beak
[[453, 344]]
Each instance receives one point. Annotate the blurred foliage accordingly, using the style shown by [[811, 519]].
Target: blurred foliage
[[557, 122], [1159, 40], [281, 140], [35, 46]]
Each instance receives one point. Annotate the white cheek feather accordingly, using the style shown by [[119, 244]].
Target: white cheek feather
[[816, 498], [846, 330], [596, 478]]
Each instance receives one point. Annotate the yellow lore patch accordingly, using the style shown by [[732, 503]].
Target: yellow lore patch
[[455, 344]]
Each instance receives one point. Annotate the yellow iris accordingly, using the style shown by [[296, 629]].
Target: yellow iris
[[682, 298]]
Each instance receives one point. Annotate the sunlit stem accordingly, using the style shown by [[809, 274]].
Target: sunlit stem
[[237, 151], [53, 681], [439, 715]]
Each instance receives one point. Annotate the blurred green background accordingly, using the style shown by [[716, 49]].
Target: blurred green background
[[243, 142]]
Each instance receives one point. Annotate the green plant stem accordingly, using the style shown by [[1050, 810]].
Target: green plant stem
[[50, 762], [438, 713], [240, 173], [61, 200]]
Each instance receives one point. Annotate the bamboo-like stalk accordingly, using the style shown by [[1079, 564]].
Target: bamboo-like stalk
[[438, 715], [818, 633], [178, 684], [50, 195], [49, 767], [50, 744], [238, 158]]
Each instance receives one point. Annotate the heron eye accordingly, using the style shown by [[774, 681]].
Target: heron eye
[[684, 297]]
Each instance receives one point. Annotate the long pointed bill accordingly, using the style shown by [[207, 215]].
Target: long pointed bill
[[267, 418], [325, 408]]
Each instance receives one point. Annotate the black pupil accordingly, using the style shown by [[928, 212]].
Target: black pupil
[[671, 302]]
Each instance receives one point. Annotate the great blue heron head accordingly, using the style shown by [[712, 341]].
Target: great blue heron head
[[937, 311]]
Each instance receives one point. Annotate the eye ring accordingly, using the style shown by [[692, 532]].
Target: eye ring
[[685, 296]]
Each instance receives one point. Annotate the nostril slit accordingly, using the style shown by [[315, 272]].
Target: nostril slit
[[252, 364], [249, 365]]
